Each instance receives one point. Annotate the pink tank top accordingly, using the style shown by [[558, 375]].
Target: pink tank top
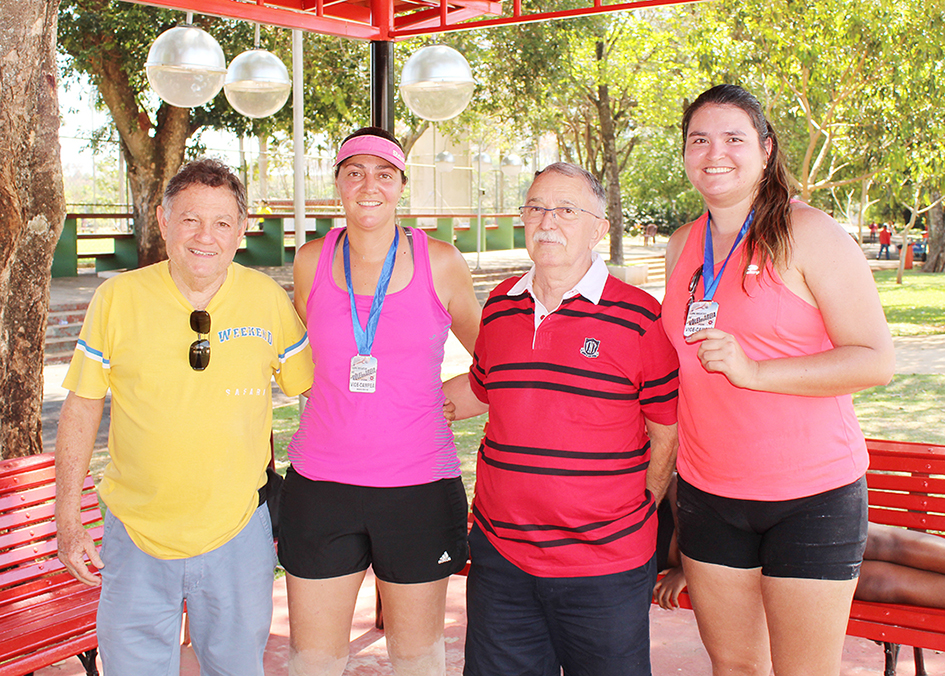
[[750, 445], [395, 436]]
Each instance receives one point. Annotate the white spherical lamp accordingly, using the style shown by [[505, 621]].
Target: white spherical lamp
[[186, 66], [257, 83], [444, 162], [511, 165], [482, 160], [437, 83]]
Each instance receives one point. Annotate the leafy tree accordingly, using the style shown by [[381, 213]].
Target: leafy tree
[[598, 84], [31, 214], [109, 41], [815, 64]]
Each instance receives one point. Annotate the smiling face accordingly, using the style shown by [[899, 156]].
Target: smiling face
[[370, 188], [555, 242], [202, 229], [724, 157]]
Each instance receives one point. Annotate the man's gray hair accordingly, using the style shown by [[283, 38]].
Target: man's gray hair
[[574, 171], [211, 173]]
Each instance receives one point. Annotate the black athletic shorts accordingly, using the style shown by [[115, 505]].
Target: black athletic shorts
[[409, 535], [819, 537]]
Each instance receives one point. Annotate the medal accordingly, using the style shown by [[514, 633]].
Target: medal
[[363, 373], [701, 315], [363, 376]]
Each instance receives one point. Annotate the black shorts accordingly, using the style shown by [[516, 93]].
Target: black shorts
[[409, 535], [820, 537]]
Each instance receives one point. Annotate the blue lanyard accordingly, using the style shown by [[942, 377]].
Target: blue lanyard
[[365, 337], [709, 280]]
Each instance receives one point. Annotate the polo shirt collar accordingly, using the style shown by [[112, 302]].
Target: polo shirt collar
[[591, 285]]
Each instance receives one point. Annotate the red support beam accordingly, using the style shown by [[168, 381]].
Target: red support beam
[[388, 19]]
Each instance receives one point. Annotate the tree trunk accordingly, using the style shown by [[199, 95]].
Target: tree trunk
[[936, 251], [32, 210], [913, 214], [611, 173]]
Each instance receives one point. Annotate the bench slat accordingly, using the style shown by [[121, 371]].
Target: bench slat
[[23, 477], [49, 624], [922, 485], [50, 655], [880, 631], [44, 512], [44, 590], [14, 501], [44, 567]]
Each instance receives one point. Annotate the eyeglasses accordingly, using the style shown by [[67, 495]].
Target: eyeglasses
[[200, 348], [533, 214]]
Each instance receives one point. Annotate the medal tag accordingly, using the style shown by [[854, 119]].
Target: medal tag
[[702, 315], [363, 373]]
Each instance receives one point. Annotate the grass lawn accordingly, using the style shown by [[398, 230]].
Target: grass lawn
[[917, 306]]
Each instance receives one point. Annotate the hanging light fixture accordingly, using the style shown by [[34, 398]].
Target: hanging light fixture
[[511, 165], [437, 83], [444, 162], [257, 82], [186, 66]]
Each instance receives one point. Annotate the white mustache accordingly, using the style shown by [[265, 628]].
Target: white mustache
[[549, 237]]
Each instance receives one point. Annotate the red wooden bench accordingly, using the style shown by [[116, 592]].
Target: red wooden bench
[[46, 615], [907, 489]]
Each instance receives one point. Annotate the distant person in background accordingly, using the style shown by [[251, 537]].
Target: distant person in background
[[885, 239], [873, 233], [650, 234]]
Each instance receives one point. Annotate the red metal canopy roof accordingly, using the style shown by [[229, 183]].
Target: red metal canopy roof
[[392, 20]]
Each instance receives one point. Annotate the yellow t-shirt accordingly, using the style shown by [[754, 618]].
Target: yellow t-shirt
[[188, 448]]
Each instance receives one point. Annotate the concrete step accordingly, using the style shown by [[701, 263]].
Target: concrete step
[[62, 331]]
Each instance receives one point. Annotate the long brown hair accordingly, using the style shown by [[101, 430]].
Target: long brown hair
[[770, 234]]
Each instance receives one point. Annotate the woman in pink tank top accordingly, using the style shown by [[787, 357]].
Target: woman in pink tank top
[[776, 320], [375, 477]]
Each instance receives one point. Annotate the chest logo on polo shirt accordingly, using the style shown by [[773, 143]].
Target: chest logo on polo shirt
[[591, 348]]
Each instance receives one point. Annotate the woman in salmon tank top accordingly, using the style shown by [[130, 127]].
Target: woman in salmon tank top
[[775, 317], [375, 479]]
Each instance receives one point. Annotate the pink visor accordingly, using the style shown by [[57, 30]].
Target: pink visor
[[372, 145]]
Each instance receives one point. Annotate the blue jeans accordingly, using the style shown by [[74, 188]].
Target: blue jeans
[[882, 248], [229, 604], [522, 625]]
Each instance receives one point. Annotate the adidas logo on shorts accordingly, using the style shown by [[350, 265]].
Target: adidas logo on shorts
[[445, 558]]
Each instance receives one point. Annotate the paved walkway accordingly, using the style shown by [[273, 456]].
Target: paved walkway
[[675, 647]]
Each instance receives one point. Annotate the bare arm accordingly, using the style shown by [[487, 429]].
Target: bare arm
[[454, 287], [664, 443], [675, 247], [303, 274], [78, 427], [830, 272], [459, 392]]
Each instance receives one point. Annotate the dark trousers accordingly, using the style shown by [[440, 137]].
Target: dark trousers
[[522, 625]]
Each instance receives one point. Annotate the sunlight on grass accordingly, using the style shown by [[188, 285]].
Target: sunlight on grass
[[908, 409], [917, 306]]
